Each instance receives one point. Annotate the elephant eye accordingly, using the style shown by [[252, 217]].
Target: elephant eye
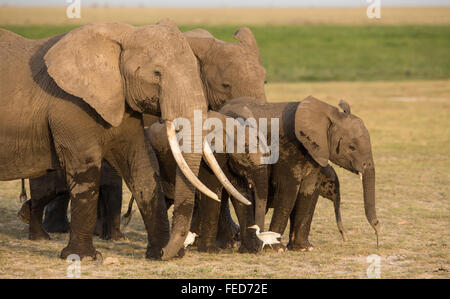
[[157, 73], [352, 148], [225, 85]]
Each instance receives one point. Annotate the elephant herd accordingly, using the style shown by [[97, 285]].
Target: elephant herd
[[84, 110]]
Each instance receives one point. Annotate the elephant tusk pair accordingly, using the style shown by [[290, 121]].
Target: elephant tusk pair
[[212, 162], [176, 152]]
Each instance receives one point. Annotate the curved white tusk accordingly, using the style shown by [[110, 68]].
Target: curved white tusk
[[360, 176], [184, 167], [212, 162]]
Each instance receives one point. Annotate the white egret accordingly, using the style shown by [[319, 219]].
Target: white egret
[[266, 237], [190, 239]]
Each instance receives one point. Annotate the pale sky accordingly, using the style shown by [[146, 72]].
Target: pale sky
[[228, 3]]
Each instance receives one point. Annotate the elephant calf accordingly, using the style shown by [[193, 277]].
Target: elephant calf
[[311, 133]]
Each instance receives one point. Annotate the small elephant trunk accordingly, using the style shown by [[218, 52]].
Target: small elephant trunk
[[260, 196], [368, 181]]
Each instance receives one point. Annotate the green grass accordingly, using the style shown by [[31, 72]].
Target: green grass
[[333, 52]]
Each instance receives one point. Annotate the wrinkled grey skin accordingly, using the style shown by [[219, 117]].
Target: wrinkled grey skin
[[50, 191], [228, 70], [252, 178], [59, 111], [311, 133]]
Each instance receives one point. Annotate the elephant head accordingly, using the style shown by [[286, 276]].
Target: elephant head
[[228, 69], [342, 138], [247, 165], [149, 69]]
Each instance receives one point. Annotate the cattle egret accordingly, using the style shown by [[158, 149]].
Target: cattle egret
[[266, 237], [190, 239]]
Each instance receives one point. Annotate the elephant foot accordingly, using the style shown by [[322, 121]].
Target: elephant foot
[[209, 249], [249, 249], [37, 236], [251, 245], [81, 252], [225, 244], [228, 239], [279, 248], [154, 253], [115, 235], [304, 246], [25, 212]]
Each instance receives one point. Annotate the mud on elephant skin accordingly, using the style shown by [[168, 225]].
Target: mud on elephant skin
[[48, 79], [227, 70], [51, 191], [311, 133]]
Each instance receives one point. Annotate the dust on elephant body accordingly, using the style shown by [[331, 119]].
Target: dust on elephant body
[[227, 70], [311, 133], [73, 99]]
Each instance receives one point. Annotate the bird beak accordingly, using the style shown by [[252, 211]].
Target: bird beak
[[253, 226]]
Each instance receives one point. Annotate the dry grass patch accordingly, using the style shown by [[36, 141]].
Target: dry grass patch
[[411, 145], [219, 16]]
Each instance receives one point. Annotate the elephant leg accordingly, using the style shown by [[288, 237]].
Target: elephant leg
[[292, 218], [84, 182], [228, 231], [110, 203], [36, 231], [209, 211], [245, 214], [55, 218], [136, 162], [284, 201], [100, 225], [42, 191], [304, 212], [284, 198]]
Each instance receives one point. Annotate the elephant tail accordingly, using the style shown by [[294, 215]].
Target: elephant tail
[[23, 194], [126, 218]]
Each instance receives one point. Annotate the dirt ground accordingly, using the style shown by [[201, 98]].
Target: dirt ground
[[409, 125], [235, 16]]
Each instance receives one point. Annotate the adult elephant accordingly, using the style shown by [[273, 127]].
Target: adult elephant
[[71, 100], [311, 133], [227, 70]]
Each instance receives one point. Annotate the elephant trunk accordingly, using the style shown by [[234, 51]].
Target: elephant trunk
[[183, 208], [183, 96], [368, 181], [260, 196]]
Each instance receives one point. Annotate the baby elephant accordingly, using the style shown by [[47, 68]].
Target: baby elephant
[[311, 133]]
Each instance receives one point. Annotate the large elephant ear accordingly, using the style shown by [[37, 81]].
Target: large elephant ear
[[246, 37], [200, 41], [311, 128], [85, 63]]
